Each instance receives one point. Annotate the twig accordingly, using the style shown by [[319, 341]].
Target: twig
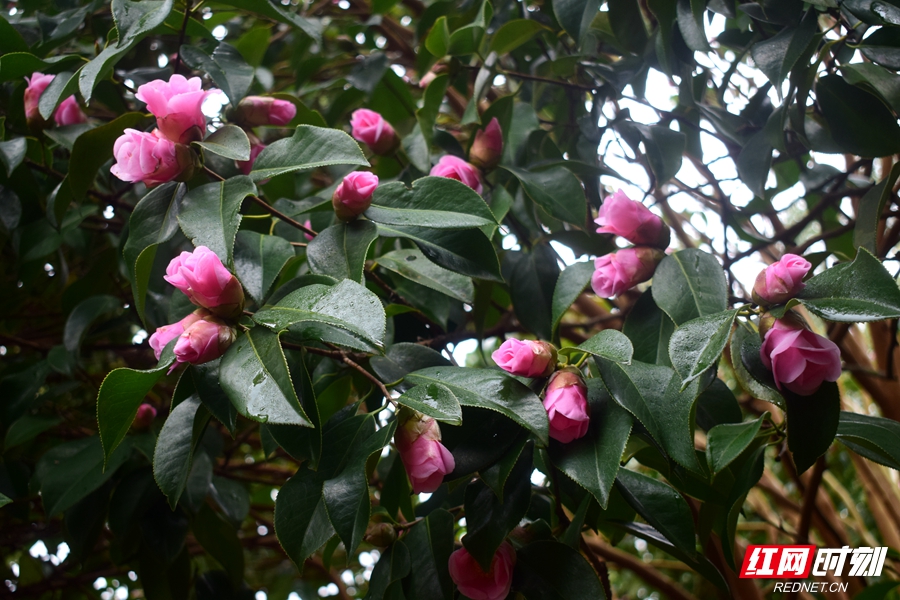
[[176, 64], [353, 364]]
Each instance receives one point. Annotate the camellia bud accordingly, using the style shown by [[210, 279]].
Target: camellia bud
[[474, 582], [781, 281], [205, 280], [144, 417], [373, 130], [622, 216], [487, 149], [381, 534], [418, 440], [526, 358], [37, 83], [254, 111], [567, 405], [205, 340], [165, 334], [354, 195], [151, 158], [618, 272]]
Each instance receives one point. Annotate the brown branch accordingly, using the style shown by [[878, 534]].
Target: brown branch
[[651, 576]]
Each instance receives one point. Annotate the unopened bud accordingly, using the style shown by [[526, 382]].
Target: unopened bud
[[354, 195], [144, 417], [381, 534], [487, 149]]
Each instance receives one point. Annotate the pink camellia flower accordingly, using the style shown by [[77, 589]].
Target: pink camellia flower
[[144, 417], [456, 168], [487, 148], [567, 406], [254, 111], [781, 281], [370, 128], [354, 195], [176, 106], [618, 272], [205, 340], [37, 83], [308, 225], [799, 359], [418, 440], [247, 165], [150, 158], [474, 583], [620, 215], [69, 113], [205, 280], [165, 334], [525, 358]]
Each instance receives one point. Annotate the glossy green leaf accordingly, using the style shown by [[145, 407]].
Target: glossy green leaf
[[301, 521], [27, 428], [258, 259], [175, 447], [228, 141], [403, 358], [575, 16], [12, 153], [555, 190], [347, 306], [697, 345], [309, 148], [83, 316], [430, 544], [852, 292], [413, 265], [876, 438], [491, 389], [310, 26], [812, 423], [571, 283], [431, 106], [465, 40], [532, 277], [438, 40], [610, 344], [210, 214], [689, 284], [93, 148], [205, 378], [859, 122], [777, 55], [225, 66], [435, 202], [18, 65], [392, 567], [649, 330], [255, 375], [725, 442], [871, 206], [62, 86], [593, 461], [748, 368], [883, 81], [221, 541], [4, 500], [627, 24], [434, 400], [340, 250], [717, 405], [550, 570], [661, 506]]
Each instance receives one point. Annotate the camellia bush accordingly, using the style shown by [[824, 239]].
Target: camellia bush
[[543, 299]]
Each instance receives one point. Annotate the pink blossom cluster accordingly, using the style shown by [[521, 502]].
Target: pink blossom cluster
[[67, 113]]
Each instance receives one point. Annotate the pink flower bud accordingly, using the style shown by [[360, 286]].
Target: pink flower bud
[[799, 359], [456, 168], [205, 340], [487, 148], [308, 225], [370, 128], [205, 280], [150, 158], [254, 111], [781, 281], [69, 113], [176, 106], [567, 406], [37, 83], [165, 334], [474, 583], [418, 440], [526, 358], [144, 417], [427, 79], [618, 272], [247, 165], [354, 195], [620, 215]]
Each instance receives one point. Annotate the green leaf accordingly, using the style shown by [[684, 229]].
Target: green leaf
[[430, 544], [468, 252], [346, 306], [205, 378], [555, 190], [859, 122], [748, 368], [28, 427], [229, 141], [403, 358], [690, 22], [664, 148], [175, 447], [532, 277], [727, 441], [153, 221], [12, 153], [661, 506], [301, 521], [465, 40], [689, 284], [627, 24], [309, 148], [874, 12], [4, 500], [649, 329], [393, 566], [883, 81], [63, 85], [871, 205], [571, 283], [17, 65], [311, 27], [431, 107], [340, 250], [258, 259], [853, 292], [777, 55], [593, 461], [812, 423], [93, 148], [434, 400], [550, 570], [575, 16], [697, 345], [83, 316], [210, 214], [609, 343], [755, 162], [221, 541], [876, 438], [255, 375], [10, 38], [438, 40], [435, 202], [120, 395], [489, 519], [491, 389], [68, 472], [413, 265], [227, 68], [717, 405]]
